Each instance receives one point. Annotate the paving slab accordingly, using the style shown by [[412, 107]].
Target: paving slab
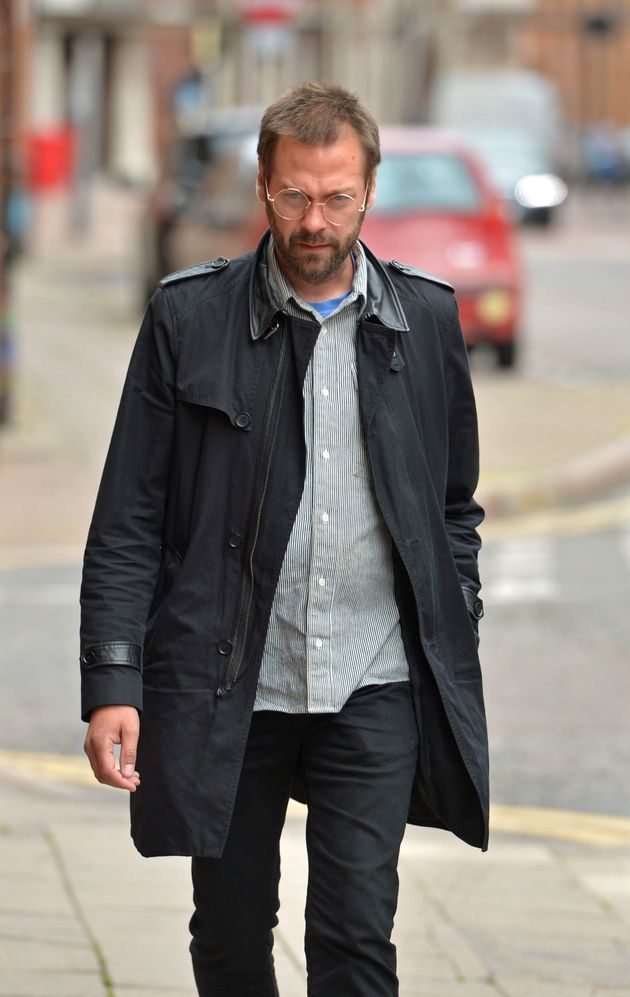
[[46, 957], [547, 957], [424, 986], [153, 992], [528, 986], [55, 929], [143, 947], [24, 983]]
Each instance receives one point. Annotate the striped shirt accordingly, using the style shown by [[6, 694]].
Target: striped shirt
[[334, 624]]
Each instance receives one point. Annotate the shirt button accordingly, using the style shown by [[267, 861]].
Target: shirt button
[[325, 392], [325, 517], [324, 329], [319, 642], [326, 454], [322, 582]]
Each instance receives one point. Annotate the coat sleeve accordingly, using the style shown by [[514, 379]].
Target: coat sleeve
[[462, 514], [122, 554]]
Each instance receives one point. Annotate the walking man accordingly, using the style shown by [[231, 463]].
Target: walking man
[[280, 587]]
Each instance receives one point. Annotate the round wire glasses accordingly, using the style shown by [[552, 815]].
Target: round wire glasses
[[338, 209]]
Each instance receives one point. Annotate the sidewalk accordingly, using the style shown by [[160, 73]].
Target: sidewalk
[[83, 915]]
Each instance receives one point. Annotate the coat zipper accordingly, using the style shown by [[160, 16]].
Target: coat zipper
[[270, 430]]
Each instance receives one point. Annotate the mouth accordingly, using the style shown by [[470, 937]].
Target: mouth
[[313, 248]]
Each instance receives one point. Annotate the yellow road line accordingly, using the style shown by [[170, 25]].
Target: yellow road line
[[60, 768], [567, 825], [582, 828]]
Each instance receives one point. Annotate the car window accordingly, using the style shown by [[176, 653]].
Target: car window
[[424, 182]]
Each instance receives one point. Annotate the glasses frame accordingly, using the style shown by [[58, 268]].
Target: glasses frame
[[318, 204]]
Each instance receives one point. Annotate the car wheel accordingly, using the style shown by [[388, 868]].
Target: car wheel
[[506, 354]]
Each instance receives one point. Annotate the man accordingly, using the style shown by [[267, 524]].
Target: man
[[280, 581]]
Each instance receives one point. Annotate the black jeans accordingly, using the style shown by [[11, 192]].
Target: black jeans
[[357, 768]]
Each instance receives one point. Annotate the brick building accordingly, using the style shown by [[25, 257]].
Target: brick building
[[584, 46]]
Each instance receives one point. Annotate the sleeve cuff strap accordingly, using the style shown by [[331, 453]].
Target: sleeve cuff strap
[[473, 603], [111, 653]]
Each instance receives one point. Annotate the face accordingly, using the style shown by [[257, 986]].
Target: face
[[310, 250]]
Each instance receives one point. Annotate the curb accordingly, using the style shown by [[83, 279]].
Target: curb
[[578, 481]]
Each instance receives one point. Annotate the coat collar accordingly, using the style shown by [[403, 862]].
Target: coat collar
[[382, 302]]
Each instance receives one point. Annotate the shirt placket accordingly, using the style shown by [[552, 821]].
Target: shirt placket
[[323, 530]]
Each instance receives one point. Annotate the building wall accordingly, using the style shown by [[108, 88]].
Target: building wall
[[590, 66], [381, 49], [48, 87], [131, 122]]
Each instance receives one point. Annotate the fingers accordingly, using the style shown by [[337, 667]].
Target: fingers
[[110, 726], [129, 745]]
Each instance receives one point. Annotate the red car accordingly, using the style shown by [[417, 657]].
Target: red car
[[436, 209]]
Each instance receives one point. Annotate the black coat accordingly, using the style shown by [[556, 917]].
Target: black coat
[[200, 489]]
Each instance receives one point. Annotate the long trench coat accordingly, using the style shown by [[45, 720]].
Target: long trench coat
[[199, 493]]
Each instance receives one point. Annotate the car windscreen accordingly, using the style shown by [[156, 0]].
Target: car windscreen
[[409, 182]]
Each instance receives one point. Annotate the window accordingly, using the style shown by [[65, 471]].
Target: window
[[424, 182]]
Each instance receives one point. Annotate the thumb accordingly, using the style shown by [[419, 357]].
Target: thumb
[[128, 748]]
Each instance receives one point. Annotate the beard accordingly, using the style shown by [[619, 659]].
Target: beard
[[315, 270]]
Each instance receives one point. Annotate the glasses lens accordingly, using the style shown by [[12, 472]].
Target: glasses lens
[[340, 208], [290, 204]]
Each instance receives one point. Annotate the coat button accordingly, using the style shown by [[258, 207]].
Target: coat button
[[88, 657], [478, 608], [225, 646], [243, 420], [234, 540]]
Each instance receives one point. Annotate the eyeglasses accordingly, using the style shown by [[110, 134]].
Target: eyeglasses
[[338, 209]]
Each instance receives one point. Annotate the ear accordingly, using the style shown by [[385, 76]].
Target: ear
[[260, 183], [371, 193]]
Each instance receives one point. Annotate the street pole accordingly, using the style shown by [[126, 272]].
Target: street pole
[[6, 131], [15, 48]]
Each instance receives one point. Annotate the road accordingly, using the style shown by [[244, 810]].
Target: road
[[557, 629], [555, 656]]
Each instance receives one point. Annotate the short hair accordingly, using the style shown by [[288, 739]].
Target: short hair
[[316, 113]]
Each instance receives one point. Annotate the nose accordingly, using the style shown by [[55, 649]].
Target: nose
[[314, 219]]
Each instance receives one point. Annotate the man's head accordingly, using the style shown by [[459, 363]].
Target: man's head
[[320, 141]]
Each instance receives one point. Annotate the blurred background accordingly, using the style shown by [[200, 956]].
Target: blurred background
[[127, 150]]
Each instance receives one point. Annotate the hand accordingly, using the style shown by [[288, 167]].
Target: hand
[[110, 725]]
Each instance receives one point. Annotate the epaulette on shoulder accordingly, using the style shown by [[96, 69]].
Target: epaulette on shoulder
[[200, 270], [410, 271]]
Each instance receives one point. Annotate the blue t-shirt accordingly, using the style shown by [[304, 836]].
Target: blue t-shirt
[[326, 308]]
